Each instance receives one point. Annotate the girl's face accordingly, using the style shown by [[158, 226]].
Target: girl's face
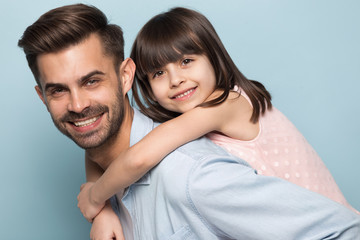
[[182, 85]]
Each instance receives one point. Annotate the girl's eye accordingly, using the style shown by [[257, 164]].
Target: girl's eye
[[158, 74], [186, 61]]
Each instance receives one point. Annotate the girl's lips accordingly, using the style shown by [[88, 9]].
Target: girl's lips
[[185, 94]]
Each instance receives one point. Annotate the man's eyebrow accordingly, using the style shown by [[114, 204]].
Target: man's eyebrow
[[81, 80], [54, 85], [89, 75]]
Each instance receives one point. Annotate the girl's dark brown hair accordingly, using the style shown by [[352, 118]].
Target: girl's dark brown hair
[[65, 26], [165, 39]]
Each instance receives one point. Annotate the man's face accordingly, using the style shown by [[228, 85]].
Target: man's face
[[82, 92]]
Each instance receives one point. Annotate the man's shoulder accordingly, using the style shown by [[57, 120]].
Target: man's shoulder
[[193, 151], [201, 148]]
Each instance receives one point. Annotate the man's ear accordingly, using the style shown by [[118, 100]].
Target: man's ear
[[127, 74], [40, 94]]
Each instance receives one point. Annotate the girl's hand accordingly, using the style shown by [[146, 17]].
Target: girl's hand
[[106, 226], [88, 207]]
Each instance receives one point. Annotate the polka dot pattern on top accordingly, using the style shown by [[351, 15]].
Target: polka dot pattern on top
[[280, 150]]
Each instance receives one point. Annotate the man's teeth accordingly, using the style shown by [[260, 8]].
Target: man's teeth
[[184, 94], [86, 122]]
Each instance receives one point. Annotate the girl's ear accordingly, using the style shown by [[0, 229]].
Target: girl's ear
[[127, 74]]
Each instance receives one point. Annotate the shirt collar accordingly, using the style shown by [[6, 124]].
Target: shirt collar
[[141, 125]]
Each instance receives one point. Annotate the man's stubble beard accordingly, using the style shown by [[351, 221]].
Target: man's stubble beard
[[97, 138]]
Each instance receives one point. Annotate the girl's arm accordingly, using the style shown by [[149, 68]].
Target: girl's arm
[[106, 224], [132, 164], [93, 173]]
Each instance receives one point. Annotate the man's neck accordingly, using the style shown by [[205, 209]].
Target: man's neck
[[109, 151]]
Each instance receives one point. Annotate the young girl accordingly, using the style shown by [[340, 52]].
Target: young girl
[[188, 81]]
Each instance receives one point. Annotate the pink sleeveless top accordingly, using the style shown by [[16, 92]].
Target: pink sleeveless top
[[280, 150]]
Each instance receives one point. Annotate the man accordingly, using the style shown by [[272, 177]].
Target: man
[[198, 191]]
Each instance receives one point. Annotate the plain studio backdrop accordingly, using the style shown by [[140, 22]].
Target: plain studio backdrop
[[307, 53]]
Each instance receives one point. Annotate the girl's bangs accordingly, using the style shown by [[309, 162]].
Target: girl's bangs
[[166, 49]]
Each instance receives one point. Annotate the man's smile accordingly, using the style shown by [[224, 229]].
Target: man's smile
[[87, 122], [86, 125]]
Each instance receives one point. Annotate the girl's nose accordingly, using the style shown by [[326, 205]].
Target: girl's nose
[[176, 78]]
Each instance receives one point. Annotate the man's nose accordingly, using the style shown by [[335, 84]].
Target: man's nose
[[78, 102]]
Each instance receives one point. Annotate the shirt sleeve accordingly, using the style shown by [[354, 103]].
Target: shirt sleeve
[[234, 202]]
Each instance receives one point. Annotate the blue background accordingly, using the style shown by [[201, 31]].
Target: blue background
[[307, 53]]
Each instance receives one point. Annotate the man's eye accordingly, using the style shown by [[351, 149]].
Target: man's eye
[[57, 91], [92, 82]]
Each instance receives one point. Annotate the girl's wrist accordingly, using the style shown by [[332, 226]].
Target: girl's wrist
[[92, 196]]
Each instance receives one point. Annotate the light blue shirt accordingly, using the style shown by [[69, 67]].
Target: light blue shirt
[[199, 191]]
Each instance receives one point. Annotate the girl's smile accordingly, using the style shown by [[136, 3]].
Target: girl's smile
[[184, 95], [182, 85]]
